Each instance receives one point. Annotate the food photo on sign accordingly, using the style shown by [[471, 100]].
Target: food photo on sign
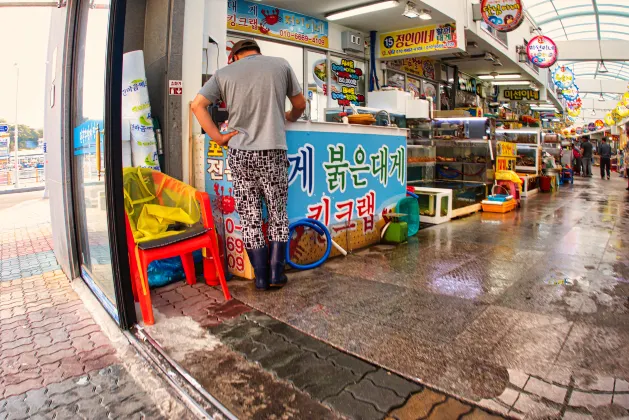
[[502, 15], [542, 51]]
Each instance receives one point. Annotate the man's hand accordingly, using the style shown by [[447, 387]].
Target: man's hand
[[299, 106], [223, 139]]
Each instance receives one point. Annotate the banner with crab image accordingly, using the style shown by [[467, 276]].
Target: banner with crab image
[[259, 19]]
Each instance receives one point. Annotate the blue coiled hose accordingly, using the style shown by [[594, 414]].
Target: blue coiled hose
[[318, 227]]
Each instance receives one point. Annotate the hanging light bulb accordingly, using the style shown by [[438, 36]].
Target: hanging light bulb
[[602, 68], [601, 98], [593, 113]]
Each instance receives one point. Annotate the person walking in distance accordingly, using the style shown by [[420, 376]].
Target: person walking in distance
[[586, 155], [254, 88], [606, 159], [576, 155]]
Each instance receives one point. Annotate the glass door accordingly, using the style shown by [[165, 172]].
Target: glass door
[[89, 137]]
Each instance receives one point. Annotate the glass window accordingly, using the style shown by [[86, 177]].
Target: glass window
[[317, 86], [396, 79], [414, 86]]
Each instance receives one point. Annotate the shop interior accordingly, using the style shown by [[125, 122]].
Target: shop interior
[[447, 130]]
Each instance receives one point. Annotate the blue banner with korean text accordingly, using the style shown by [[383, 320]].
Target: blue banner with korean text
[[256, 18], [85, 137]]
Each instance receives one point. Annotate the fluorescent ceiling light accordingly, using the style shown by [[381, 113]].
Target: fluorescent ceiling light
[[360, 10], [513, 83], [425, 14], [410, 11], [486, 77], [508, 76]]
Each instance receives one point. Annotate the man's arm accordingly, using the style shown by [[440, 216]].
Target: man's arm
[[299, 106], [199, 109]]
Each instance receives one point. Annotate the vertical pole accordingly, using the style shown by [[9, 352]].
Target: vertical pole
[[17, 89]]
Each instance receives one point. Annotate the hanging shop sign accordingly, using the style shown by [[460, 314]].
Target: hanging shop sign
[[348, 81], [416, 66], [542, 51], [508, 94], [563, 77], [347, 181], [418, 40], [591, 126], [571, 94], [599, 124], [256, 18], [579, 130], [502, 15], [467, 83]]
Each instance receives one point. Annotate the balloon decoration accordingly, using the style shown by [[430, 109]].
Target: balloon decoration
[[622, 110], [574, 112], [542, 51], [599, 124], [502, 15], [563, 77], [591, 127], [625, 99], [609, 120]]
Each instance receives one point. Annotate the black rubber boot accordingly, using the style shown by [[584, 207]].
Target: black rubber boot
[[260, 262], [278, 262]]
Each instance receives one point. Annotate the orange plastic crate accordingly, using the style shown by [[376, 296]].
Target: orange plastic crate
[[497, 207]]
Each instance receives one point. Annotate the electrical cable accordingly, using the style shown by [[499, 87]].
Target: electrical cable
[[318, 227]]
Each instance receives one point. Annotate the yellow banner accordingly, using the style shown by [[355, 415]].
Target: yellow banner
[[418, 40], [505, 148]]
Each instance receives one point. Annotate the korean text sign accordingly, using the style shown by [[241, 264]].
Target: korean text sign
[[256, 18], [336, 178], [418, 40], [85, 137]]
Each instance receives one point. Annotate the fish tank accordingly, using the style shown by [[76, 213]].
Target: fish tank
[[419, 130], [421, 161], [463, 128], [530, 136], [463, 160], [528, 159], [464, 194], [333, 115]]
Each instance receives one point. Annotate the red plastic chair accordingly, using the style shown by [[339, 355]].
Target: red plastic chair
[[181, 245]]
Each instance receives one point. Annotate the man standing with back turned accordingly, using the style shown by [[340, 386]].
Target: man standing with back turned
[[255, 88], [586, 153], [606, 159]]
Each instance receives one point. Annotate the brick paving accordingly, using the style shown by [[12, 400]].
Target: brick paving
[[55, 362], [348, 385]]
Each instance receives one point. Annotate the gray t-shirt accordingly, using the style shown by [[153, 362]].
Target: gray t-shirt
[[255, 90]]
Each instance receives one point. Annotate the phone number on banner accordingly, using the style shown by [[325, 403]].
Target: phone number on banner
[[302, 37]]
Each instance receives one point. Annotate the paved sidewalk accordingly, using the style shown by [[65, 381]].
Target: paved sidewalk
[[55, 362]]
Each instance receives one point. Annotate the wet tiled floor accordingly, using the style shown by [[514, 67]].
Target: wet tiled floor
[[526, 313]]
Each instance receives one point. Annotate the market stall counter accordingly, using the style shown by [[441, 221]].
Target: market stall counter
[[344, 175]]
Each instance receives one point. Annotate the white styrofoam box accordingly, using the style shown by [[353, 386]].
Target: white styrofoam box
[[393, 101], [417, 108], [126, 129]]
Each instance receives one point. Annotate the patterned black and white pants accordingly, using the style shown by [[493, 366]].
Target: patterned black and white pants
[[260, 174]]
